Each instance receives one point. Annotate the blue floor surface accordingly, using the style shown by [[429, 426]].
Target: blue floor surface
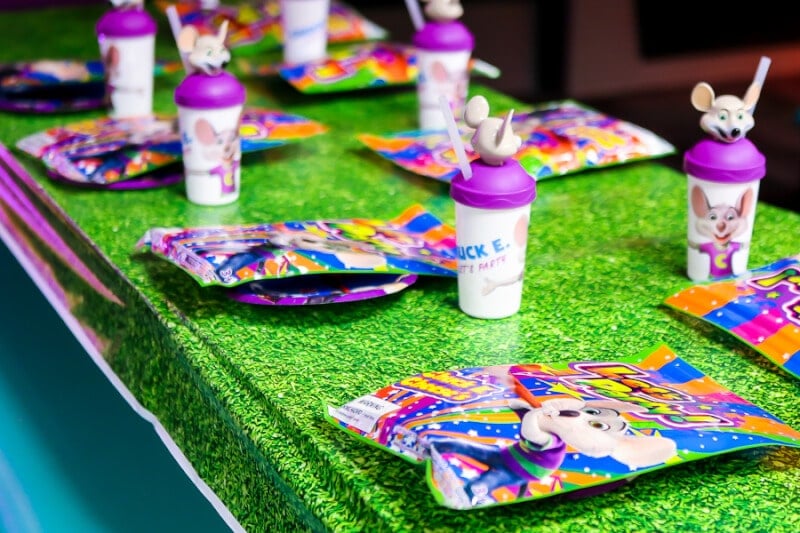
[[73, 455]]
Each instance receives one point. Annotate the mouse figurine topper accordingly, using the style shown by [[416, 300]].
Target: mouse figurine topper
[[724, 170], [727, 118], [206, 53], [210, 106], [127, 4], [494, 140], [443, 10], [493, 201]]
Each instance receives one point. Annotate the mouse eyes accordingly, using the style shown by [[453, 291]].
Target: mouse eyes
[[740, 116], [591, 411], [723, 116], [596, 424]]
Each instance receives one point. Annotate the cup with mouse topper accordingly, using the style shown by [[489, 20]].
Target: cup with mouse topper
[[126, 35], [443, 51], [724, 172], [492, 206], [210, 103]]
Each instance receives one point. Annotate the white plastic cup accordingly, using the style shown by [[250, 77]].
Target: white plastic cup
[[304, 24], [492, 217], [209, 116], [723, 183], [443, 51], [212, 154], [127, 47]]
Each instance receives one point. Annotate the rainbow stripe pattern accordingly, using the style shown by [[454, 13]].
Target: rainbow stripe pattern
[[465, 425], [414, 242], [761, 307]]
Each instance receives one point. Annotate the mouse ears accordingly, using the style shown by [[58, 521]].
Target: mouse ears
[[189, 34], [703, 96]]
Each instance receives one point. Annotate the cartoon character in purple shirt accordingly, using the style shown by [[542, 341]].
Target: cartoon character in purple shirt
[[594, 428], [721, 223], [222, 146]]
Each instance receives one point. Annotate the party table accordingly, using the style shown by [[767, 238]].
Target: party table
[[242, 389]]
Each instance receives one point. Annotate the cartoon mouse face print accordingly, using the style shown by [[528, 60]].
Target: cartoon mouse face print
[[127, 71], [110, 72], [352, 254], [220, 146], [721, 223], [595, 428], [520, 242], [453, 85]]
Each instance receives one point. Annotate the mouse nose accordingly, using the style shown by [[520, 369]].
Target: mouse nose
[[569, 413], [735, 132]]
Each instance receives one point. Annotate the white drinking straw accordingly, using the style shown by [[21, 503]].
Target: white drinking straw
[[761, 71], [761, 75], [175, 26], [416, 14], [455, 137]]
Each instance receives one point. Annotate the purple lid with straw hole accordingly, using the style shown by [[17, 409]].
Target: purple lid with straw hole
[[126, 23], [736, 162], [444, 37], [494, 187], [205, 91]]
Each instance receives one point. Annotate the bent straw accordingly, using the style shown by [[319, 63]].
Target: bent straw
[[761, 71], [455, 137], [416, 14], [761, 75], [175, 26]]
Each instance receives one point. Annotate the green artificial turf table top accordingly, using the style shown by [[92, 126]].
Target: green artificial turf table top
[[242, 388]]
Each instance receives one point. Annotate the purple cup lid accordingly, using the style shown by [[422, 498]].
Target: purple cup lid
[[494, 187], [444, 37], [736, 162], [204, 91], [126, 23]]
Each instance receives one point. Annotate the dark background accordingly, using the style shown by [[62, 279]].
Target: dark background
[[538, 50]]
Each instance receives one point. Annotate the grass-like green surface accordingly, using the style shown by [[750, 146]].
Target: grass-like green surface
[[241, 388]]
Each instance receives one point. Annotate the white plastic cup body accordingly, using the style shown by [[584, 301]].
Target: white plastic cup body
[[721, 219], [129, 64], [304, 24], [212, 153], [441, 73], [491, 245]]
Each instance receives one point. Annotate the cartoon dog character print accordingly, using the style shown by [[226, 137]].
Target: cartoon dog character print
[[721, 223], [726, 118], [594, 428]]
